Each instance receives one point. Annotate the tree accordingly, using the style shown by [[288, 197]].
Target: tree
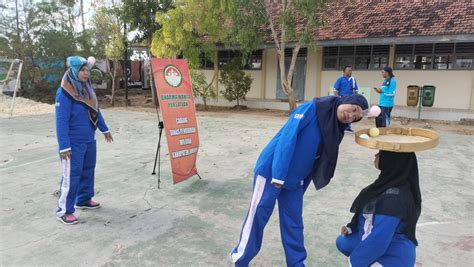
[[140, 16], [236, 82], [42, 35], [192, 29], [108, 31], [201, 88], [288, 21]]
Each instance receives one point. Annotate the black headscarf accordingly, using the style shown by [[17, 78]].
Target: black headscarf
[[389, 71], [396, 192], [332, 132]]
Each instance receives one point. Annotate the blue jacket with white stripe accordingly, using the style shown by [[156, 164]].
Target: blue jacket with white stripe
[[382, 241], [289, 157], [72, 122]]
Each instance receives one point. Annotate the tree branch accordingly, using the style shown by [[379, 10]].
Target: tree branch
[[272, 26], [292, 65], [212, 81]]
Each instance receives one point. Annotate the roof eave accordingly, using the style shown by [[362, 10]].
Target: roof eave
[[399, 40]]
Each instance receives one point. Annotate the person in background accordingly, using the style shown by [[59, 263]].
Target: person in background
[[387, 96], [77, 118], [346, 85]]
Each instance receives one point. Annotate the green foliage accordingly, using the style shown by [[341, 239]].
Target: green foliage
[[108, 32], [248, 19], [193, 27], [96, 76], [56, 44], [287, 20], [107, 27], [201, 88], [236, 82], [251, 16], [140, 16]]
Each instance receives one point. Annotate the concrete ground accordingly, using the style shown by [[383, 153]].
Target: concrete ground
[[197, 222]]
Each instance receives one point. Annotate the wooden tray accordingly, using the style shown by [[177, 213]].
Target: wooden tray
[[399, 139]]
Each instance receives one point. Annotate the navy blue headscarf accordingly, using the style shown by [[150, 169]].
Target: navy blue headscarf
[[389, 71], [332, 132]]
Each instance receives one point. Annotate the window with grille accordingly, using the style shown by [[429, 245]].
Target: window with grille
[[253, 61], [205, 62], [464, 56], [364, 57], [404, 56], [438, 56]]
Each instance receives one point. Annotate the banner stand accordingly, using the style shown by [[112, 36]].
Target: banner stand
[[160, 132], [161, 126], [158, 154]]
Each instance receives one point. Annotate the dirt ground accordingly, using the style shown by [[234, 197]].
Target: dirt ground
[[197, 222]]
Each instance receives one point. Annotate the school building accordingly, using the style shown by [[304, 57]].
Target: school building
[[426, 43]]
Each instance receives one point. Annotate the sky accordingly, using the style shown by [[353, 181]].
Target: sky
[[89, 10]]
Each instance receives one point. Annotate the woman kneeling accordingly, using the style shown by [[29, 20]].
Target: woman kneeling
[[382, 231]]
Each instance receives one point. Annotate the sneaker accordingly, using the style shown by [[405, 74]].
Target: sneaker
[[89, 205], [68, 219]]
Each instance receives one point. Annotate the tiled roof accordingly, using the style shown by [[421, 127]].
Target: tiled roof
[[366, 19], [346, 19]]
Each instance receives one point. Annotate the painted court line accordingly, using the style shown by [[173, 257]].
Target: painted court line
[[27, 163], [435, 223]]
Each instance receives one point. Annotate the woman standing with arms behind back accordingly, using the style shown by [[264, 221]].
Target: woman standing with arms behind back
[[77, 118], [387, 96]]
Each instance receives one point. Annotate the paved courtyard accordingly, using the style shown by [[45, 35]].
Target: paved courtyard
[[197, 222]]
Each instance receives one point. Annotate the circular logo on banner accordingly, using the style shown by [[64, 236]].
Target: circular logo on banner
[[172, 75]]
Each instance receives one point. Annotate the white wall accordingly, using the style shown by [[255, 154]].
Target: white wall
[[453, 88], [255, 89]]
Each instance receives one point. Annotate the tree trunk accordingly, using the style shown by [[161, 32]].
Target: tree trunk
[[204, 100], [125, 58], [289, 78], [112, 98], [19, 54], [82, 16], [114, 75], [291, 102], [285, 78]]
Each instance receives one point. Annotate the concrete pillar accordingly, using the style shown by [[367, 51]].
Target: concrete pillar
[[271, 58], [311, 88], [264, 74], [391, 56], [319, 68], [471, 104], [216, 73]]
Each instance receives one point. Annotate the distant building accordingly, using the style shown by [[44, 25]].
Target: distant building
[[426, 42]]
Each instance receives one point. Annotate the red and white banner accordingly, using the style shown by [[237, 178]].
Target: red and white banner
[[175, 95]]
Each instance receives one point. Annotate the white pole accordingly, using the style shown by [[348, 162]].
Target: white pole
[[5, 82], [16, 87]]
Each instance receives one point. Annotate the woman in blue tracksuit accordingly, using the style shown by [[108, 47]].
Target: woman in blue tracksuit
[[387, 96], [382, 230], [305, 149], [77, 118]]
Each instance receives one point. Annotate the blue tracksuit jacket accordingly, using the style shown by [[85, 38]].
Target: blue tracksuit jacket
[[72, 122], [289, 157], [75, 132], [378, 239]]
